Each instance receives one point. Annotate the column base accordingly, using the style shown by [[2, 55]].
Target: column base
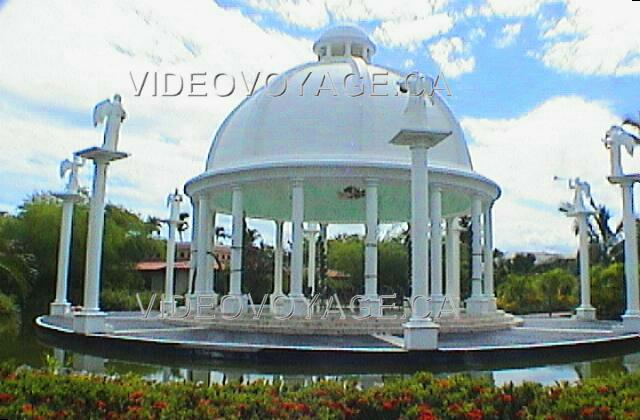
[[204, 300], [89, 322], [371, 306], [437, 306], [59, 308], [276, 302], [492, 304], [232, 304], [300, 306], [420, 335], [631, 323], [586, 313], [478, 305]]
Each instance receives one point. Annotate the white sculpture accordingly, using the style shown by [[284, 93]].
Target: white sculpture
[[581, 210], [581, 195], [615, 139], [112, 115], [72, 168], [418, 88]]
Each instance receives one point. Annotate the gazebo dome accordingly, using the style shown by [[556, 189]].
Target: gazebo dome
[[319, 117], [330, 123]]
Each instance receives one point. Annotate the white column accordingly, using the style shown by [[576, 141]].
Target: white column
[[437, 297], [210, 267], [585, 311], [452, 257], [371, 305], [296, 296], [200, 287], [311, 264], [476, 304], [420, 332], [235, 282], [278, 257], [193, 254], [172, 225], [60, 305], [91, 319], [631, 317], [489, 285], [95, 234], [419, 224]]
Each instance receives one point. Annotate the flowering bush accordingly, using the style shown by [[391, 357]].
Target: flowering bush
[[43, 395]]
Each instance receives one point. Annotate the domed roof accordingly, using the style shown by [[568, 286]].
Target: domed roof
[[338, 109]]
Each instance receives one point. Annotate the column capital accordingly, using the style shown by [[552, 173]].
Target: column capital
[[297, 182], [236, 187], [371, 182]]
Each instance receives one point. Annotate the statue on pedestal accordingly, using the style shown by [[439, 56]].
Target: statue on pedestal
[[112, 115], [72, 168], [614, 140]]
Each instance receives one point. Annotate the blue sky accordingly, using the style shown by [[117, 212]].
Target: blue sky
[[535, 84]]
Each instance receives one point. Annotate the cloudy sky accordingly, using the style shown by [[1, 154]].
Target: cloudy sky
[[535, 83]]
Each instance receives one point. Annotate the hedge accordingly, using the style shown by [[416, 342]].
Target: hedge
[[42, 394]]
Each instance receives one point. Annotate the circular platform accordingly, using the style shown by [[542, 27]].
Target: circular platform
[[538, 340]]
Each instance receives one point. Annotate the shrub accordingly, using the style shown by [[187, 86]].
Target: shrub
[[42, 394]]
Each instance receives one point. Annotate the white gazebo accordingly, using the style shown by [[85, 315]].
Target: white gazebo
[[343, 140]]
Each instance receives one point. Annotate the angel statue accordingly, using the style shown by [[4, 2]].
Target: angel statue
[[614, 140], [418, 88], [582, 194], [112, 115], [72, 168]]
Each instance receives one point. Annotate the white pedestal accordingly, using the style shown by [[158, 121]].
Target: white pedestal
[[87, 363], [477, 305], [234, 304], [437, 306], [206, 301], [492, 304], [586, 313], [300, 306], [276, 303], [59, 308], [631, 323], [371, 306], [420, 335], [89, 322]]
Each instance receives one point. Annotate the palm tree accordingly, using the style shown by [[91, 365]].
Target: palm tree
[[16, 270]]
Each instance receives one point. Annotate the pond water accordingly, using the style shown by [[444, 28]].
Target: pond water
[[22, 346]]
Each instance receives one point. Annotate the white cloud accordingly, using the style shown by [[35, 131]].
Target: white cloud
[[477, 34], [402, 23], [314, 14], [595, 38], [509, 34], [408, 63], [82, 52], [409, 34], [453, 56], [512, 8], [559, 137]]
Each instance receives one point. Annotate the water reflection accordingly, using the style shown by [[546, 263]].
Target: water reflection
[[545, 375]]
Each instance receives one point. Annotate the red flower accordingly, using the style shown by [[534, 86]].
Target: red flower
[[5, 398], [454, 408], [101, 405], [425, 413], [203, 402], [587, 411], [475, 414], [159, 405], [136, 395], [505, 398], [388, 405], [27, 408], [603, 390]]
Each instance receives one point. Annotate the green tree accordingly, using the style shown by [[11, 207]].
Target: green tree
[[607, 290], [557, 288]]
